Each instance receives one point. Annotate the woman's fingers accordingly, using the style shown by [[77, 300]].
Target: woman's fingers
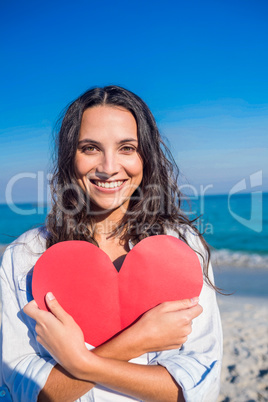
[[196, 311], [178, 305]]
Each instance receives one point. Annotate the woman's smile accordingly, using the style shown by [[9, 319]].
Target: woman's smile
[[107, 163], [108, 185]]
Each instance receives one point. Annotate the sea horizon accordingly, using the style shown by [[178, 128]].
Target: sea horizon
[[235, 236]]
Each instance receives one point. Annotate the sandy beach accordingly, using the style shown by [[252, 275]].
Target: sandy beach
[[245, 349], [244, 316], [245, 328]]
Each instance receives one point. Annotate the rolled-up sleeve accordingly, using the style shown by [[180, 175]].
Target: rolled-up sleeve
[[25, 364], [196, 367]]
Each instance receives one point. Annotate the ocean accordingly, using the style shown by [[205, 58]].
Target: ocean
[[236, 228]]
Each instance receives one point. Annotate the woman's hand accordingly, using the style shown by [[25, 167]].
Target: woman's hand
[[60, 335], [165, 326]]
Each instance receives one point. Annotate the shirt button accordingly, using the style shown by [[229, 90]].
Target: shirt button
[[2, 393]]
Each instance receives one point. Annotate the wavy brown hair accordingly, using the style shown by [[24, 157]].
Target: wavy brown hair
[[153, 207]]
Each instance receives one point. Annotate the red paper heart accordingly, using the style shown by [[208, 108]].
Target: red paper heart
[[102, 301]]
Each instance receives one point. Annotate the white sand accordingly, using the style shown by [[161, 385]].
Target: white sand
[[245, 359]]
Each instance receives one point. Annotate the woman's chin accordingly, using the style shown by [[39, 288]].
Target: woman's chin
[[108, 208]]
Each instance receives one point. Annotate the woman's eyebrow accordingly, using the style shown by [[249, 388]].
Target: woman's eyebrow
[[88, 140], [128, 140]]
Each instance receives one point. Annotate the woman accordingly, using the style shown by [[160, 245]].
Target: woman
[[115, 183]]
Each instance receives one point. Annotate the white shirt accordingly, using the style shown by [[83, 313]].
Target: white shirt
[[26, 365]]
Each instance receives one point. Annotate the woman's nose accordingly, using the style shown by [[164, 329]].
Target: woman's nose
[[108, 165]]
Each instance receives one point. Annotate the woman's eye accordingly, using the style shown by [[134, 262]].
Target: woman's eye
[[128, 149], [89, 149]]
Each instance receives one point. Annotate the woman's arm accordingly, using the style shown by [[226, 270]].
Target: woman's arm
[[151, 383], [197, 366], [164, 327]]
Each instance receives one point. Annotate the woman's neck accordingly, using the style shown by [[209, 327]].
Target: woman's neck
[[105, 225]]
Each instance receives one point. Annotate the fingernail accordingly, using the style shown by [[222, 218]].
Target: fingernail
[[50, 296], [195, 300]]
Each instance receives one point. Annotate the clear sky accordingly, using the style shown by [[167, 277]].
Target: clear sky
[[201, 66]]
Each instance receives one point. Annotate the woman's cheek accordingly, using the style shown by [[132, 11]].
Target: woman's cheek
[[134, 166], [82, 166]]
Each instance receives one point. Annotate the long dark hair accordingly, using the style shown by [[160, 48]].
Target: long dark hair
[[153, 207]]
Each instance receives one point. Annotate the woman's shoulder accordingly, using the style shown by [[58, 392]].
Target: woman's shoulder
[[192, 238], [23, 252], [32, 240], [188, 234]]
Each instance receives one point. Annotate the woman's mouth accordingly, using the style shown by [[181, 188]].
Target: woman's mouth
[[111, 184], [103, 184]]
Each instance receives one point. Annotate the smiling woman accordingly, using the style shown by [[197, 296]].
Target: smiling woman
[[107, 163], [114, 184]]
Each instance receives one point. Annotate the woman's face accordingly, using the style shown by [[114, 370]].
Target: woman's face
[[107, 164]]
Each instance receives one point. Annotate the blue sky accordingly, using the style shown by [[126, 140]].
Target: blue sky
[[201, 66]]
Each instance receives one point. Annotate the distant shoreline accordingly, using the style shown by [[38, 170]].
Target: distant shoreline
[[237, 236], [222, 258], [241, 194], [242, 281]]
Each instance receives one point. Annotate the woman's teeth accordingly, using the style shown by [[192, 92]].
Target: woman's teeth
[[112, 184]]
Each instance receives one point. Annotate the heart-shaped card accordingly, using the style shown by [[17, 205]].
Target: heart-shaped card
[[103, 301]]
